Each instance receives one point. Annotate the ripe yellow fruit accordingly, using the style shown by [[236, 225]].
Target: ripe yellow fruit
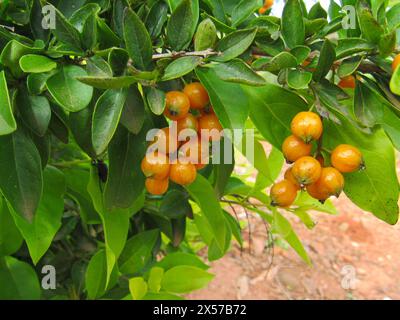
[[155, 165], [294, 148], [283, 193], [307, 126], [347, 158], [396, 62], [306, 170], [156, 187], [183, 173]]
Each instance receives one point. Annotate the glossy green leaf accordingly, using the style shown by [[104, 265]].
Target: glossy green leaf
[[106, 116], [40, 233], [7, 121], [155, 277], [10, 237], [243, 10], [349, 66], [175, 205], [370, 28], [156, 18], [206, 35], [326, 58], [298, 79], [228, 99], [138, 288], [176, 279], [18, 280], [156, 100], [67, 91], [181, 67], [21, 175], [395, 81], [181, 259], [108, 82], [133, 113], [238, 71], [281, 61], [234, 44], [292, 25], [137, 39], [33, 63], [349, 46]]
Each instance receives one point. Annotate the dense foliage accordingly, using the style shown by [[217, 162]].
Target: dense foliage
[[77, 100]]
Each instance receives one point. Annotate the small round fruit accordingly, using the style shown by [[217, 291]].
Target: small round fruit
[[290, 177], [164, 141], [294, 148], [183, 173], [156, 187], [197, 95], [283, 193], [189, 122], [307, 125], [177, 105], [396, 62], [347, 158], [209, 126], [306, 170], [315, 191], [348, 82], [200, 166], [331, 181], [155, 165]]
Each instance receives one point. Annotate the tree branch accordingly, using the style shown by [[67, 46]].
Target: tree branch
[[178, 54]]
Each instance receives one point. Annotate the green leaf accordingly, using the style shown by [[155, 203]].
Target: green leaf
[[316, 12], [96, 276], [115, 224], [228, 99], [36, 82], [118, 59], [66, 33], [108, 82], [34, 110], [80, 16], [182, 24], [18, 280], [203, 194], [349, 66], [292, 25], [393, 17], [117, 21], [36, 18], [156, 100], [125, 182], [206, 35], [180, 67], [40, 233], [301, 53], [67, 91], [176, 279], [155, 278], [367, 107], [156, 18], [98, 67], [395, 81], [282, 226], [33, 63], [137, 39], [349, 46], [305, 202], [181, 259], [21, 175], [370, 28], [243, 10], [234, 44], [375, 189], [106, 116], [281, 61], [10, 237], [175, 205], [325, 61], [138, 251], [271, 109], [161, 296], [7, 121], [387, 43], [238, 71], [133, 113], [298, 79], [138, 288], [89, 33]]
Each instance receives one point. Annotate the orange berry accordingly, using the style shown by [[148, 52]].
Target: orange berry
[[262, 10], [197, 95], [315, 191], [268, 3], [165, 141], [177, 105], [209, 124], [156, 187], [347, 82], [283, 193], [183, 173], [331, 180], [347, 158], [396, 62], [294, 148], [307, 125], [188, 122], [306, 170], [155, 165], [290, 177]]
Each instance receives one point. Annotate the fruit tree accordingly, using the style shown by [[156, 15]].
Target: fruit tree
[[116, 149]]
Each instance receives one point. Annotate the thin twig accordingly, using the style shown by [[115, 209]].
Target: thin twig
[[178, 54]]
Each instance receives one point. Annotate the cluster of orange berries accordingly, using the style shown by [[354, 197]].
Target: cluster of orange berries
[[192, 114], [267, 5], [310, 172]]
